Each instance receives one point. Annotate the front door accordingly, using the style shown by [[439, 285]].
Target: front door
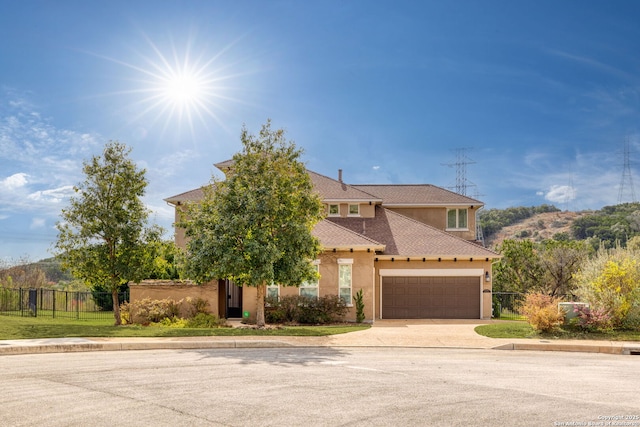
[[234, 300]]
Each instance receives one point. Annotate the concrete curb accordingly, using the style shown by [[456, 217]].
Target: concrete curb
[[132, 345], [21, 349]]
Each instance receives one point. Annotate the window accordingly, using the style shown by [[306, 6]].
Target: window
[[457, 218], [344, 280], [273, 291], [354, 209], [310, 289], [334, 210]]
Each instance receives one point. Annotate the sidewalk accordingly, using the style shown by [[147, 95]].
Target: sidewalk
[[384, 333]]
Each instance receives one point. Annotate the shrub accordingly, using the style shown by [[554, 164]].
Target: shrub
[[542, 312], [147, 311], [592, 319], [205, 320], [611, 282], [358, 299], [298, 309]]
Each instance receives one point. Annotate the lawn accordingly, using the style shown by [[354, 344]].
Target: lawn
[[12, 328], [519, 329]]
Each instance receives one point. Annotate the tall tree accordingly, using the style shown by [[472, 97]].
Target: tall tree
[[103, 237], [255, 227]]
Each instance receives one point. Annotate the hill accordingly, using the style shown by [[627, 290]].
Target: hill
[[611, 225], [540, 226]]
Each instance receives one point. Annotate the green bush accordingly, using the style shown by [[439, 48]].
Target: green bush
[[358, 299], [147, 311], [205, 320], [298, 309]]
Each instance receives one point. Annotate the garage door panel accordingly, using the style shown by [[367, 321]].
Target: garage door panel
[[431, 297]]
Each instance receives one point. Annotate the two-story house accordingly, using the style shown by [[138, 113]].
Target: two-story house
[[411, 249]]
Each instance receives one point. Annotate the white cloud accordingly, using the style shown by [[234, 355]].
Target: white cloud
[[13, 182], [375, 168], [37, 223], [561, 194], [54, 195]]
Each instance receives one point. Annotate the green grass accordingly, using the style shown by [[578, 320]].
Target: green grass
[[518, 329], [12, 328]]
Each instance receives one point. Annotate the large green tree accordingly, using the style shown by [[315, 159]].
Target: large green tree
[[103, 236], [547, 267], [255, 227]]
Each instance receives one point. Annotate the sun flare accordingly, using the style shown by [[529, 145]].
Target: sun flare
[[176, 88]]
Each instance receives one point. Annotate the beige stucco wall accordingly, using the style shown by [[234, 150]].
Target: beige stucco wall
[[437, 217], [362, 278], [452, 268], [166, 289], [366, 210]]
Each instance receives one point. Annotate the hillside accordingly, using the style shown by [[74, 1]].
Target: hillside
[[538, 227]]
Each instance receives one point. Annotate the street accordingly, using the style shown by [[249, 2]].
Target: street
[[319, 386]]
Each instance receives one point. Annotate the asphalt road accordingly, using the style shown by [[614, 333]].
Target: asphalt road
[[319, 386]]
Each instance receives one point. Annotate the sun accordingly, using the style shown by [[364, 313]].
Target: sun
[[176, 88]]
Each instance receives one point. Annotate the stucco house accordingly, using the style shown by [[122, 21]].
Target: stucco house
[[411, 249]]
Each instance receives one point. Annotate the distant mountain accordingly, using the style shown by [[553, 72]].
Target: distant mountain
[[611, 224]]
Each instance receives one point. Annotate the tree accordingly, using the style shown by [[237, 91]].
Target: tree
[[610, 281], [560, 261], [520, 269], [103, 237], [255, 227]]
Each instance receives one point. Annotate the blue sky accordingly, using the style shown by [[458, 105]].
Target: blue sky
[[542, 95]]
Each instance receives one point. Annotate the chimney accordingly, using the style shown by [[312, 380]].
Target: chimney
[[340, 175]]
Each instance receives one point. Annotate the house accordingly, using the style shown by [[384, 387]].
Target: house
[[411, 249]]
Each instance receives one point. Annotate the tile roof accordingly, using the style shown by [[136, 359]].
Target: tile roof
[[416, 194], [332, 189], [406, 237], [188, 196], [332, 235]]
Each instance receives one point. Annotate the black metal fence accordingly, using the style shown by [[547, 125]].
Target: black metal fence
[[57, 304], [506, 305]]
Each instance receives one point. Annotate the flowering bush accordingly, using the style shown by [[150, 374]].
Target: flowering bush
[[541, 312], [592, 319]]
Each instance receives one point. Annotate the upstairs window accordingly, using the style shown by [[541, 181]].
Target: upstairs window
[[354, 210], [334, 210], [457, 219]]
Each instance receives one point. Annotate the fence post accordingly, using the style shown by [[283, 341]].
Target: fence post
[[54, 303], [77, 304]]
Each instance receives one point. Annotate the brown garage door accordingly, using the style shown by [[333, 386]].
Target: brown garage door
[[430, 298]]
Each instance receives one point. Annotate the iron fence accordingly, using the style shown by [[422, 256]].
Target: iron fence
[[57, 304], [507, 305]]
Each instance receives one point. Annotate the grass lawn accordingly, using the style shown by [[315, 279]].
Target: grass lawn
[[13, 328], [519, 329]]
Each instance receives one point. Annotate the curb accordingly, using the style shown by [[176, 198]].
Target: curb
[[123, 346], [578, 348]]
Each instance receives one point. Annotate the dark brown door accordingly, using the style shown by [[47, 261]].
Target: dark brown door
[[430, 297], [234, 300]]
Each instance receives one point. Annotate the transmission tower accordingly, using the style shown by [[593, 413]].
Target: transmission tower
[[461, 171], [627, 192], [463, 184]]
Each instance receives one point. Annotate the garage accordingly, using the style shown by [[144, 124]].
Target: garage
[[430, 297]]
